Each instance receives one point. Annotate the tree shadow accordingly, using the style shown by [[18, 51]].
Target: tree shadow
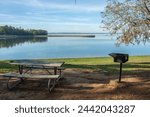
[[135, 69], [131, 90]]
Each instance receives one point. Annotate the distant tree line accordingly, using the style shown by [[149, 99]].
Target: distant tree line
[[10, 30]]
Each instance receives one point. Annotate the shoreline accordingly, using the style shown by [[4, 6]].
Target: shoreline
[[70, 35], [49, 35], [65, 58]]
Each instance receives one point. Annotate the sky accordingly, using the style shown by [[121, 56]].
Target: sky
[[53, 15]]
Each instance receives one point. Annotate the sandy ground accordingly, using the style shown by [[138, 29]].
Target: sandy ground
[[80, 84]]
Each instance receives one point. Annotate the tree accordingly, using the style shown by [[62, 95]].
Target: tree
[[9, 30], [130, 18]]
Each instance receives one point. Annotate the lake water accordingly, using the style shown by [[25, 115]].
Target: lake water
[[66, 47]]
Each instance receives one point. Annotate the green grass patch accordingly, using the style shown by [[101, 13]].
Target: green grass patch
[[6, 67], [135, 65]]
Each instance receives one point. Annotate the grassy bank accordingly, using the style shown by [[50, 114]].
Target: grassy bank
[[139, 65]]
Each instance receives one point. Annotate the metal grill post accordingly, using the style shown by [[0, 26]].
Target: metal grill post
[[120, 72]]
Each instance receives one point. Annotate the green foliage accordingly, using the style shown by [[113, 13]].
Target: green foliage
[[9, 30]]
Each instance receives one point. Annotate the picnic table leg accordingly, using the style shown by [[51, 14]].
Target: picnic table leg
[[21, 71], [51, 84], [12, 84], [28, 70], [60, 72], [55, 73], [55, 70], [47, 70]]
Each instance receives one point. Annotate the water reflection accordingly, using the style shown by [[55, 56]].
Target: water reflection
[[64, 47], [11, 42]]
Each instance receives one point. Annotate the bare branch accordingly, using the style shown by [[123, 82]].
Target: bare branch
[[131, 18]]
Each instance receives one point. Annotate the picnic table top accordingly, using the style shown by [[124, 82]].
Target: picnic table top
[[37, 63]]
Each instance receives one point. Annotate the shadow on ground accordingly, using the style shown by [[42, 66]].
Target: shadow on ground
[[87, 82]]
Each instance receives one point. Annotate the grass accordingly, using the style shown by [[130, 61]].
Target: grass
[[100, 88], [136, 65]]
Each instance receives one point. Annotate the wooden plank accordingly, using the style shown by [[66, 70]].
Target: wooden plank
[[2, 74], [29, 63], [31, 76], [44, 67]]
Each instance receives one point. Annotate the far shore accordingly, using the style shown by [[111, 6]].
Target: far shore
[[49, 35], [71, 35]]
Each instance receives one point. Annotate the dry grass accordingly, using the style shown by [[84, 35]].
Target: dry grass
[[82, 84]]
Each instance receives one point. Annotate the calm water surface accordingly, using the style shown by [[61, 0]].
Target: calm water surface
[[66, 47]]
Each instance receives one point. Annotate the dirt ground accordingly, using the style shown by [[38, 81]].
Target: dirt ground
[[80, 84]]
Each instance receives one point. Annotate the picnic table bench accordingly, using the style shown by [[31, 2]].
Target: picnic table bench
[[30, 65], [51, 79]]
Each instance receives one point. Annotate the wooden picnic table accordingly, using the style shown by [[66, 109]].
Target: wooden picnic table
[[27, 65], [32, 64]]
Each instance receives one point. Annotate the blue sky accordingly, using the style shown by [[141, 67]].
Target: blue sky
[[53, 15]]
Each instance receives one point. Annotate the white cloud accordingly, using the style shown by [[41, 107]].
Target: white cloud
[[2, 15], [53, 17], [58, 6]]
